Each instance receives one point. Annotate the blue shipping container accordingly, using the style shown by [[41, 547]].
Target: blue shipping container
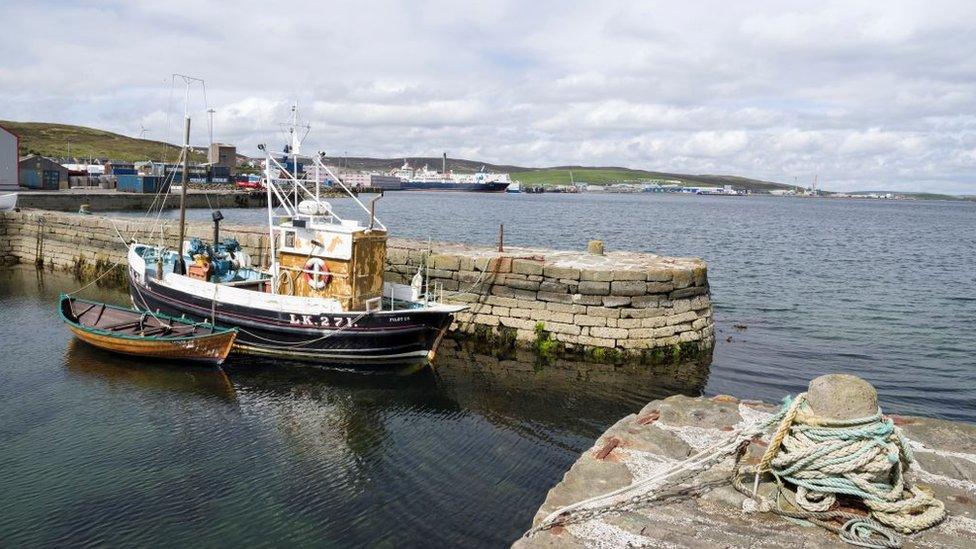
[[145, 184]]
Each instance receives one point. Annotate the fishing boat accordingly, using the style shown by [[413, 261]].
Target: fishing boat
[[145, 334], [320, 297]]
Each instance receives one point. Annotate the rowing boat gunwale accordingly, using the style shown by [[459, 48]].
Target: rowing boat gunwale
[[217, 331]]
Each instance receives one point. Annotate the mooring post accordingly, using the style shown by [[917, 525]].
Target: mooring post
[[501, 237], [842, 397]]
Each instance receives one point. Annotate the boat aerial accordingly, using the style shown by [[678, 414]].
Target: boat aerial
[[322, 297], [425, 179], [146, 334]]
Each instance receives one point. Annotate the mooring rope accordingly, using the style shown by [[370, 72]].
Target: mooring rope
[[813, 460]]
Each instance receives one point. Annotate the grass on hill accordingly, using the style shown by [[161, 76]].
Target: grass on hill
[[54, 140]]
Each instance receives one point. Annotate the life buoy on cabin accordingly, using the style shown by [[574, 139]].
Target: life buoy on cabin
[[317, 273]]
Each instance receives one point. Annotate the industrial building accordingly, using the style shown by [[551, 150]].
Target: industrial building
[[223, 155], [8, 160], [39, 172]]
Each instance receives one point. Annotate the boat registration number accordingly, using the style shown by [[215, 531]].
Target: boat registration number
[[321, 320]]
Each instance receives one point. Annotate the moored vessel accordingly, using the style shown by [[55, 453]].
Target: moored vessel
[[322, 297], [146, 334], [425, 179]]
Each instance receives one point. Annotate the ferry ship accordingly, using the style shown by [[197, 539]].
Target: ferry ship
[[425, 179]]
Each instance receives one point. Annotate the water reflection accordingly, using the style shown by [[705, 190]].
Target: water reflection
[[131, 372]]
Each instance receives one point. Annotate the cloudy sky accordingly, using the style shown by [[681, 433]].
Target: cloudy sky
[[867, 95]]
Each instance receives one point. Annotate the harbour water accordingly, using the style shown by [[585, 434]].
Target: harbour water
[[97, 449], [883, 289]]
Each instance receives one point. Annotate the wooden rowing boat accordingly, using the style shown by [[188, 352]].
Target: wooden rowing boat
[[139, 333]]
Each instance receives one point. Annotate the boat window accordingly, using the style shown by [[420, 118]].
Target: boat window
[[290, 239]]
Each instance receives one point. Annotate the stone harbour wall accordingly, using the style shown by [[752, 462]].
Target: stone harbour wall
[[622, 302], [611, 306]]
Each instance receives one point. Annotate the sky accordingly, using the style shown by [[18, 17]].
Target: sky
[[862, 95]]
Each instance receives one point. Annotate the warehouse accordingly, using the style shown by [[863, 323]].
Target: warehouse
[[39, 172], [8, 160]]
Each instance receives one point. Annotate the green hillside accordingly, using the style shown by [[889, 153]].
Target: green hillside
[[609, 176], [55, 140]]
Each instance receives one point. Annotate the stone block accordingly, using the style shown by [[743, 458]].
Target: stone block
[[615, 301], [565, 308], [608, 333], [659, 287], [501, 301], [642, 301], [486, 319], [566, 338], [659, 274], [500, 311], [520, 313], [571, 273], [682, 318], [688, 292], [523, 284], [553, 287], [527, 266], [700, 275], [604, 312], [560, 328], [681, 305], [628, 287], [446, 262], [683, 278], [597, 342], [517, 323], [440, 273], [685, 337], [552, 316], [629, 275], [558, 298], [587, 299], [629, 323], [654, 322], [649, 312], [596, 275], [587, 320], [589, 287], [533, 304]]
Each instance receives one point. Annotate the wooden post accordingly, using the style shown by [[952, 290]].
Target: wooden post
[[501, 237]]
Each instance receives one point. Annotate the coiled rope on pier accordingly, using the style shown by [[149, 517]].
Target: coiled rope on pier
[[814, 460]]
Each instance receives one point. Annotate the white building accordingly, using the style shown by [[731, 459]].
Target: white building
[[9, 169]]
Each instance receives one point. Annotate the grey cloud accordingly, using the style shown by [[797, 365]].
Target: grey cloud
[[865, 94]]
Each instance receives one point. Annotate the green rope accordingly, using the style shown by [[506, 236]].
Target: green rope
[[813, 460]]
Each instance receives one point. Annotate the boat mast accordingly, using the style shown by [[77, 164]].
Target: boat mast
[[180, 266]]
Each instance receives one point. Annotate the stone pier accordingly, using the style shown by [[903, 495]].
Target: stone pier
[[709, 511], [609, 306]]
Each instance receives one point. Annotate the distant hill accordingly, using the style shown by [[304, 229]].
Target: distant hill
[[559, 175], [56, 139]]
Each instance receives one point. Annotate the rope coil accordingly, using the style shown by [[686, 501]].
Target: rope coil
[[863, 458], [813, 461]]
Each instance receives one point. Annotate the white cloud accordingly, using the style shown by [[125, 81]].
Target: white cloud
[[864, 94]]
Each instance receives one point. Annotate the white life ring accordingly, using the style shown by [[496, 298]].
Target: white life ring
[[317, 273]]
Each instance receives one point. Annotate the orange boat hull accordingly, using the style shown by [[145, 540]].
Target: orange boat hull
[[210, 349]]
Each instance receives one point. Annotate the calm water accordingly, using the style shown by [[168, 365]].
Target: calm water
[[95, 449]]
